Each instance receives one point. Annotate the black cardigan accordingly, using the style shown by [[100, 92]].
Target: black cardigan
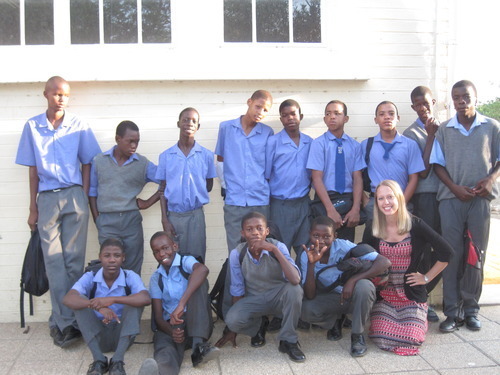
[[422, 235]]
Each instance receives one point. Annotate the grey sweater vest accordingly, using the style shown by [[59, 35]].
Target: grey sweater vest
[[118, 187], [469, 158], [259, 278], [429, 184]]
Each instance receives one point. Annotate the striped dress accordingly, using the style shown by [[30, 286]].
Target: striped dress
[[397, 323]]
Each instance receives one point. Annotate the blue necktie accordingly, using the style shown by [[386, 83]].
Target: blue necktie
[[387, 147], [339, 167]]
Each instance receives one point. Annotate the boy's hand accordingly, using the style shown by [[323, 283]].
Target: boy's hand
[[351, 219], [314, 253], [141, 203], [484, 187], [431, 126], [227, 336], [175, 317], [347, 290], [178, 335], [463, 193], [33, 219], [335, 216], [100, 302], [257, 245], [109, 315]]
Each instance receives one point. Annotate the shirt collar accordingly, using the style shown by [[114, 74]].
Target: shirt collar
[[120, 280], [175, 263], [397, 138], [420, 123], [65, 123], [177, 150], [111, 154], [331, 137], [285, 138], [478, 120], [257, 128]]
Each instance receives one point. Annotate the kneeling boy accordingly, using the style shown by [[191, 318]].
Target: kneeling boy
[[179, 292], [118, 297], [264, 281], [355, 297]]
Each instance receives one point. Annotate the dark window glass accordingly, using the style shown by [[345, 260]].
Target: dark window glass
[[84, 21], [307, 21], [272, 21], [39, 21], [237, 20], [10, 27], [156, 22], [120, 21]]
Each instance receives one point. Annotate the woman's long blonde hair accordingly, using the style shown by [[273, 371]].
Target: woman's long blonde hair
[[403, 218]]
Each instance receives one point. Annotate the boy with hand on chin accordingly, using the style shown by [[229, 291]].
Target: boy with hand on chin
[[179, 292], [264, 281], [118, 297]]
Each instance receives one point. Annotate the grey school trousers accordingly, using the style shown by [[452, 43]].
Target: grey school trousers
[[127, 226], [63, 218], [325, 308], [190, 229], [245, 315], [455, 217], [108, 335], [197, 322]]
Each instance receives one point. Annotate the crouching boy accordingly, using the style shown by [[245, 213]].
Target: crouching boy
[[108, 306], [179, 292], [264, 281], [323, 307]]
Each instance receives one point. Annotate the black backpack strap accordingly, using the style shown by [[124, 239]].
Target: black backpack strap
[[369, 145], [183, 272], [128, 290]]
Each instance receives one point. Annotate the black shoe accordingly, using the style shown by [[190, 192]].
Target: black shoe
[[335, 333], [260, 338], [70, 335], [293, 351], [347, 322], [358, 345], [304, 326], [204, 353], [450, 324], [275, 324], [57, 336], [472, 323], [431, 315], [116, 367], [98, 367]]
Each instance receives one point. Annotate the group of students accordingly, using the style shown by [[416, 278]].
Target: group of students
[[433, 170]]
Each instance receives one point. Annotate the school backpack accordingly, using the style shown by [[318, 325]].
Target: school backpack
[[33, 275], [94, 266], [366, 178]]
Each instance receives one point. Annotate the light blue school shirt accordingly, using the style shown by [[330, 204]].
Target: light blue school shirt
[[237, 287], [437, 155], [244, 163], [286, 166], [174, 283], [57, 153], [186, 177], [405, 159], [94, 182], [322, 158], [338, 250], [86, 283]]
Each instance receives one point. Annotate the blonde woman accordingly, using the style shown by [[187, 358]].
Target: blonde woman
[[399, 317]]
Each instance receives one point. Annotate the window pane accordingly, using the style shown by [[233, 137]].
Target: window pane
[[10, 27], [39, 21], [84, 21], [307, 21], [237, 20], [156, 22], [272, 21], [120, 21]]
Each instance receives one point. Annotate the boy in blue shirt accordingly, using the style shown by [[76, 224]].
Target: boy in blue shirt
[[54, 145], [289, 179], [179, 292], [186, 171], [355, 297], [117, 177], [336, 161], [108, 306]]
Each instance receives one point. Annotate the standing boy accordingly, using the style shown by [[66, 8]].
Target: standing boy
[[264, 280], [186, 170], [241, 145], [179, 290], [336, 161], [356, 297], [289, 179], [465, 157], [117, 177], [54, 145], [424, 200], [392, 156], [108, 306]]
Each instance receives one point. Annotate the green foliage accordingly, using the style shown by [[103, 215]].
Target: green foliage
[[490, 109]]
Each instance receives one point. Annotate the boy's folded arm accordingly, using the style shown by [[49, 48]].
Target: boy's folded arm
[[75, 301], [290, 270], [161, 323], [139, 299], [198, 277]]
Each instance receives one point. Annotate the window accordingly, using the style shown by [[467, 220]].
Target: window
[[38, 22], [269, 21], [120, 21]]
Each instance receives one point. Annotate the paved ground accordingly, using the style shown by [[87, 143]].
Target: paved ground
[[462, 352]]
